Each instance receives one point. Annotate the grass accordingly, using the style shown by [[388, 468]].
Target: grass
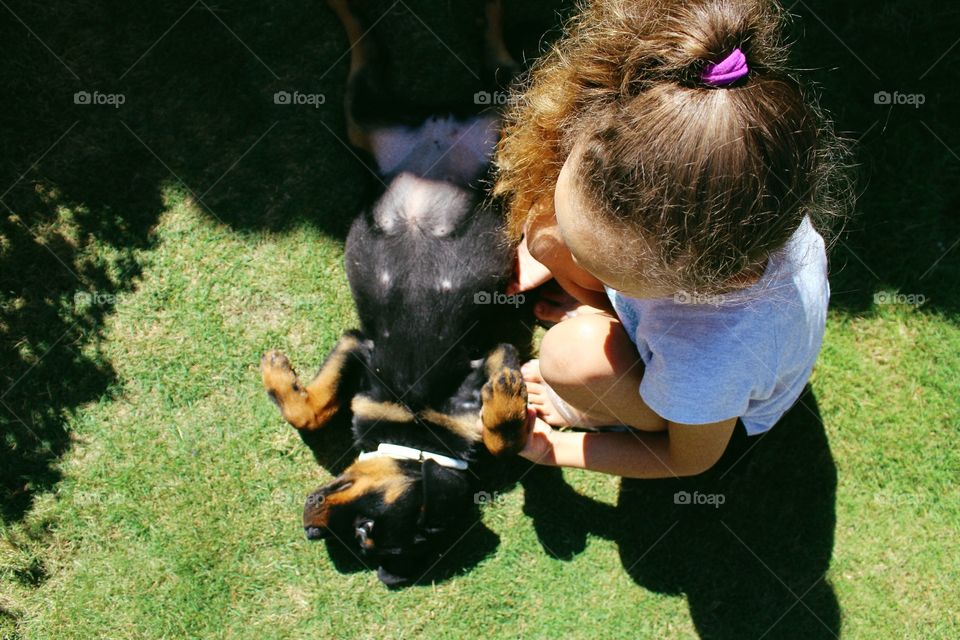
[[149, 489]]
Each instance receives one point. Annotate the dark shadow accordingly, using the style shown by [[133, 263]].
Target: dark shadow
[[904, 235], [198, 120], [562, 518], [478, 543], [744, 565], [748, 543]]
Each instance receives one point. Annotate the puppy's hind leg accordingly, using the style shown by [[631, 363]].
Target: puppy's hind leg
[[363, 55], [310, 407], [504, 409], [500, 64]]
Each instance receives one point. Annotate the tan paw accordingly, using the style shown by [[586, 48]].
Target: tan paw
[[279, 378], [284, 388], [504, 413]]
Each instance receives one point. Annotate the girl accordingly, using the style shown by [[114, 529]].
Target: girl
[[671, 176]]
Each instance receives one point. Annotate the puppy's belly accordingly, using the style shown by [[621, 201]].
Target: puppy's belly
[[412, 203], [442, 148]]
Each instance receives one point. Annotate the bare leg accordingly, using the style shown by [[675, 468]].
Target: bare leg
[[588, 375]]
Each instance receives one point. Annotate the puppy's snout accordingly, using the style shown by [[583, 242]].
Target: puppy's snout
[[315, 516]]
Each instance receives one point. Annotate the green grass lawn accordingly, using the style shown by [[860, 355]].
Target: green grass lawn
[[149, 489]]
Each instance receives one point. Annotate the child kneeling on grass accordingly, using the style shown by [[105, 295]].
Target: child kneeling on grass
[[662, 166]]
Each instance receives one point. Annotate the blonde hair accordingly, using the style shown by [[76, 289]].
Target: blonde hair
[[718, 177]]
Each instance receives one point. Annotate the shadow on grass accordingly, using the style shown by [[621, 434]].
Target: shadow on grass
[[112, 105], [905, 235], [478, 543], [748, 543]]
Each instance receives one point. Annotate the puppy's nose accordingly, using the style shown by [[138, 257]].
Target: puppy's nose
[[315, 533]]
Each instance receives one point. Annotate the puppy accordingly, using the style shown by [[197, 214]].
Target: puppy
[[437, 343]]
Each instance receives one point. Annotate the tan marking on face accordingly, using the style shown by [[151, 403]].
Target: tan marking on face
[[368, 409], [376, 475]]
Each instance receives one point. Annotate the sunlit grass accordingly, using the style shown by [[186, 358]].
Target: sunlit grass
[[178, 514]]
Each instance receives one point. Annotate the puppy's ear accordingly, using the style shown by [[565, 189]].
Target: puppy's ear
[[446, 497]]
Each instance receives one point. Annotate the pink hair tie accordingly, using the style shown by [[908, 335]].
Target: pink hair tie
[[727, 71]]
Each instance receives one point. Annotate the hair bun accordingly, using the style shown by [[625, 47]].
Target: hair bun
[[694, 34]]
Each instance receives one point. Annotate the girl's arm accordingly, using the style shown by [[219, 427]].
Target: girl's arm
[[528, 273], [681, 450]]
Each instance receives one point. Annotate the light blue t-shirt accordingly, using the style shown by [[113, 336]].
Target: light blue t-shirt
[[745, 354]]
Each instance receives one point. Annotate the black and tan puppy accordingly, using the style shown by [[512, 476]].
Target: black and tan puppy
[[426, 264]]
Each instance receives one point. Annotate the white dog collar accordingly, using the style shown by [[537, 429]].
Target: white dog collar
[[399, 452]]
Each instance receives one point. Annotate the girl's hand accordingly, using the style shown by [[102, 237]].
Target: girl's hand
[[539, 447], [527, 273]]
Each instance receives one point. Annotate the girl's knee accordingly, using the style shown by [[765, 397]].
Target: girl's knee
[[572, 353]]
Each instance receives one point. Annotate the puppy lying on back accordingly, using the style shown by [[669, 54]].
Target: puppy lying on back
[[427, 265]]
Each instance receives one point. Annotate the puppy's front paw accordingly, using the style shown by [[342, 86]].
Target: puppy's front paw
[[279, 378], [504, 413], [283, 387]]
